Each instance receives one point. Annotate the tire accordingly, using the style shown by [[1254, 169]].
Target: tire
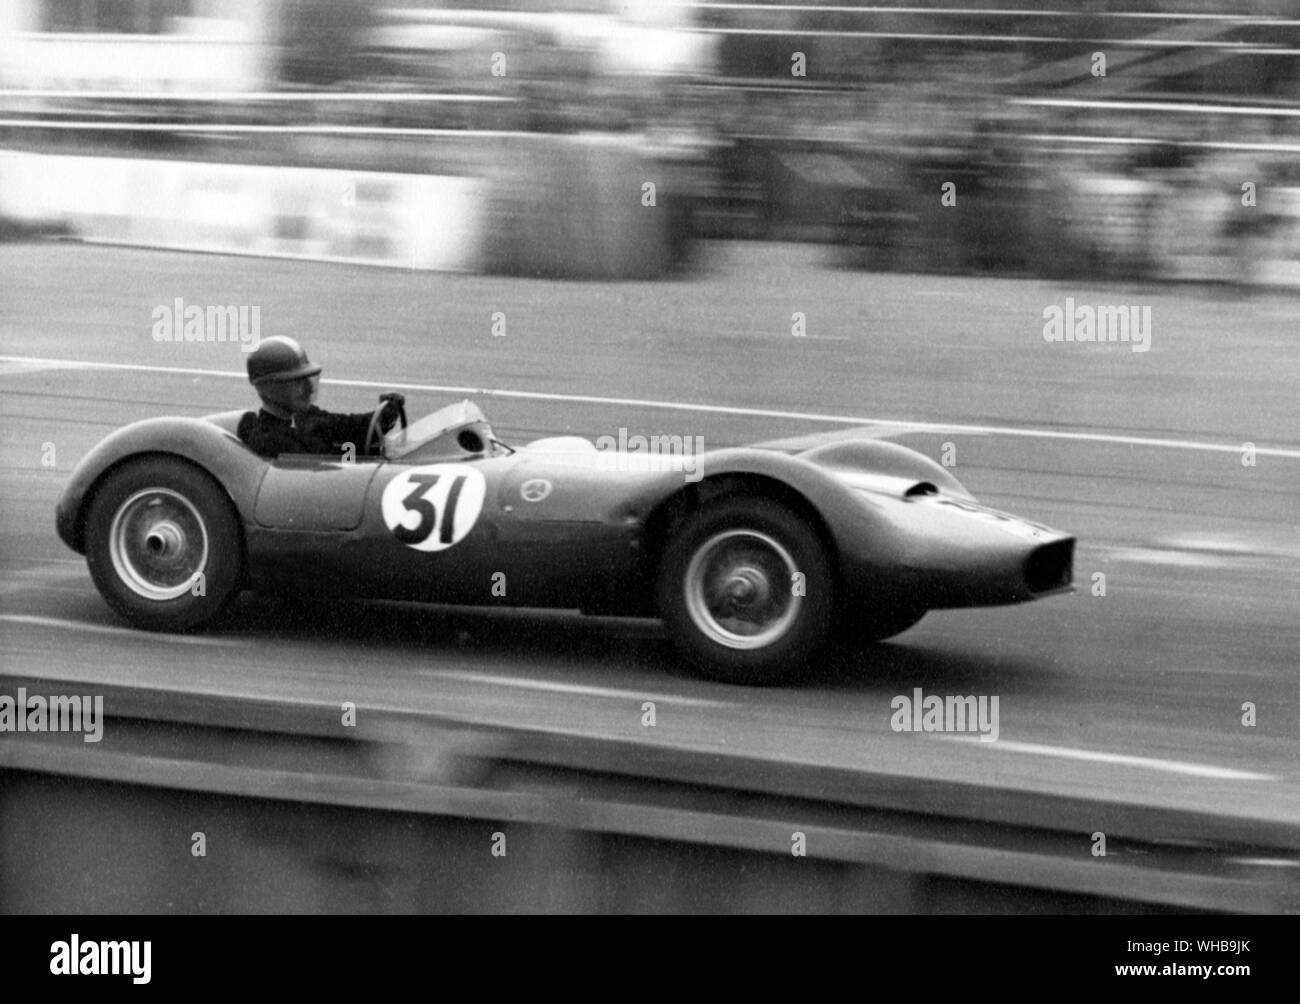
[[726, 591], [153, 525]]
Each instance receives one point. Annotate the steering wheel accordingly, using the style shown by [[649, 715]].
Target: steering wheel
[[373, 432]]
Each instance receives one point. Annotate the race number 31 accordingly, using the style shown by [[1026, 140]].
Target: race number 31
[[432, 508]]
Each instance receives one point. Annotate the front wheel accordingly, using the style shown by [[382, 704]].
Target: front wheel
[[747, 592], [163, 544]]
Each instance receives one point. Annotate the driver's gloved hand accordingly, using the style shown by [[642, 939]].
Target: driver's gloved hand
[[393, 405]]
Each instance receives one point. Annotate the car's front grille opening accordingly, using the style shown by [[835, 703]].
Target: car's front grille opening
[[1050, 566]]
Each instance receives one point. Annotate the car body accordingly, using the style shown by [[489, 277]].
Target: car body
[[753, 557]]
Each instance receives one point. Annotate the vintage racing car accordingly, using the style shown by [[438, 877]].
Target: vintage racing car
[[754, 562]]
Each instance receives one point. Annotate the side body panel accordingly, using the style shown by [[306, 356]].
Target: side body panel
[[465, 532], [563, 531], [219, 452], [314, 493], [564, 527]]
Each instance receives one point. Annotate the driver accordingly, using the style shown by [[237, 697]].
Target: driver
[[288, 421]]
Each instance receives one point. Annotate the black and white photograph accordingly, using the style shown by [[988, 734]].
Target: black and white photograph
[[669, 457]]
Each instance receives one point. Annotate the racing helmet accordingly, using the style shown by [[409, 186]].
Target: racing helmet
[[278, 359]]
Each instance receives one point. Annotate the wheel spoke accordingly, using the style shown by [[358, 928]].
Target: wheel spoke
[[158, 544], [736, 589]]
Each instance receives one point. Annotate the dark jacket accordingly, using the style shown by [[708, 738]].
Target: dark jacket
[[315, 431]]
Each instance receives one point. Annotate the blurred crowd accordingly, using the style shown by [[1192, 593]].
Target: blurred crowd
[[1001, 149]]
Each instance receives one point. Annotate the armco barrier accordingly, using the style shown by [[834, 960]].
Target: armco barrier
[[406, 811], [366, 217]]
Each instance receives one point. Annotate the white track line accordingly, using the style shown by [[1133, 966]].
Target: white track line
[[1121, 759], [574, 688], [1149, 763], [717, 409], [1266, 862], [69, 625]]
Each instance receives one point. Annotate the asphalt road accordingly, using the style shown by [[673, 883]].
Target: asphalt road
[[1134, 696]]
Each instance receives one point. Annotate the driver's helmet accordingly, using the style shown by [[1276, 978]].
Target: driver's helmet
[[278, 359]]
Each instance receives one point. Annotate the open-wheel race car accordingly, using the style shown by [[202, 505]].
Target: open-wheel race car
[[755, 560]]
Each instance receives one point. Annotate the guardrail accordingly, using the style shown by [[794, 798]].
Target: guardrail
[[601, 824]]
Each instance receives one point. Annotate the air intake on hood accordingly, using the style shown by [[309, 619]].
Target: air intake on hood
[[921, 488]]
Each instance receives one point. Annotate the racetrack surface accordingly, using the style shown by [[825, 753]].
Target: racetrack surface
[[1134, 696]]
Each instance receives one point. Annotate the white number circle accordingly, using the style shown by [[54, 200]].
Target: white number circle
[[434, 507]]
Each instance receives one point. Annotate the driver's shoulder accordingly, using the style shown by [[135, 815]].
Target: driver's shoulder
[[314, 416], [320, 414]]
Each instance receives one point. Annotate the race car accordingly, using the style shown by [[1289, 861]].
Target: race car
[[755, 559]]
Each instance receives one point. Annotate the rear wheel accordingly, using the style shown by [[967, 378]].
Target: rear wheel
[[163, 544], [747, 592]]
